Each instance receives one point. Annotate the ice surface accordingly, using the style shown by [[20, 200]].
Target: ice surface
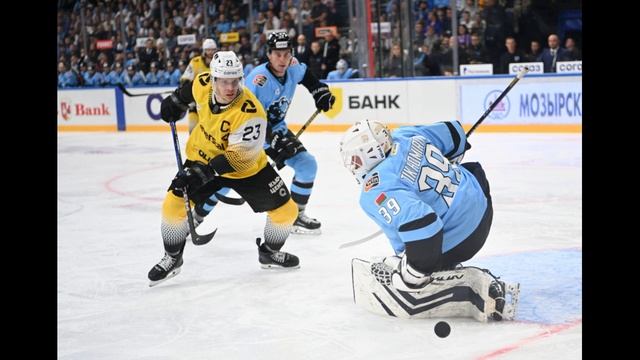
[[223, 306]]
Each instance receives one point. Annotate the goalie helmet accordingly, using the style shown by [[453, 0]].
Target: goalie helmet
[[364, 146], [226, 65]]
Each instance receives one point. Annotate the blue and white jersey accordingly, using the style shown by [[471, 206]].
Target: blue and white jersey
[[418, 187], [275, 96], [335, 74]]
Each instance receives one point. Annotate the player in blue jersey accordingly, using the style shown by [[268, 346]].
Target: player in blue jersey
[[435, 212], [274, 84]]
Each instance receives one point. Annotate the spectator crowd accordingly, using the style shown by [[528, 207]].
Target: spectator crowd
[[136, 42]]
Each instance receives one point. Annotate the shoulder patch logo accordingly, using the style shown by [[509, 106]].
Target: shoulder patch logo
[[381, 199], [248, 107], [372, 182], [260, 80]]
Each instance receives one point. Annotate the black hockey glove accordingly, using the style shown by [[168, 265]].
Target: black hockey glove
[[171, 109], [286, 145], [194, 178], [323, 98]]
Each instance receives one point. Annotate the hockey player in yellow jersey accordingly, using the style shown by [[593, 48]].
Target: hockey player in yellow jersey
[[224, 150], [198, 65]]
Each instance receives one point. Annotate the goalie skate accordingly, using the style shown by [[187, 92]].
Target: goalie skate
[[306, 226]]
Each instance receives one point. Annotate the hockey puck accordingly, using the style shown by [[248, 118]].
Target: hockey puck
[[442, 329]]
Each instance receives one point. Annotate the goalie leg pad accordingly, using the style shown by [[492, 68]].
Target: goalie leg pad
[[462, 292]]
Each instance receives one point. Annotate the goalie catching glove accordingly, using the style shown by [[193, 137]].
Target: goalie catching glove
[[395, 271]]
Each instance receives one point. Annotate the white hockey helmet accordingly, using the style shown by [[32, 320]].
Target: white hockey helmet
[[364, 146], [226, 65], [209, 44]]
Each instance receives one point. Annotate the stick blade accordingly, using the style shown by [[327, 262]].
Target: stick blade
[[203, 239]]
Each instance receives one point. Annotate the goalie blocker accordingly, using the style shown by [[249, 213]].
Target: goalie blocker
[[462, 292]]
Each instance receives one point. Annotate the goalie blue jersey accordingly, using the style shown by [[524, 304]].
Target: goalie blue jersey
[[418, 187], [275, 96]]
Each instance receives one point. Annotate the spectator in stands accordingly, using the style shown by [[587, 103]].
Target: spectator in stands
[[465, 20], [301, 50], [574, 52], [553, 54], [464, 39], [93, 78], [133, 77], [342, 71], [152, 75], [431, 38], [66, 78], [512, 55], [331, 53], [393, 65], [535, 50], [316, 60], [425, 64], [116, 75], [147, 55], [172, 74], [319, 12], [476, 52]]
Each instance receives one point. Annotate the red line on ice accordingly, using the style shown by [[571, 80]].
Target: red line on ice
[[552, 330]]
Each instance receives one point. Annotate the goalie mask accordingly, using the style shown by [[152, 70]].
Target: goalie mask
[[364, 146], [225, 65]]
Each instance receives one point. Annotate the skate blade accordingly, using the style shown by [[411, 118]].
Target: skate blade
[[304, 231], [512, 296], [278, 267], [169, 276]]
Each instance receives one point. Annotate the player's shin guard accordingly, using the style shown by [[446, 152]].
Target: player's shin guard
[[276, 232]]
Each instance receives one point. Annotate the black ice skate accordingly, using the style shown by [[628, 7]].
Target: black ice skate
[[306, 225], [167, 268], [275, 259]]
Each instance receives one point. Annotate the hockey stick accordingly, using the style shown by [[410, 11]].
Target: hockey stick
[[126, 92], [197, 239], [513, 82], [519, 76], [302, 129]]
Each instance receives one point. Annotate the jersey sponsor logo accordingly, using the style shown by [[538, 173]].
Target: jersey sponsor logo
[[381, 199], [260, 80], [248, 107], [372, 182], [277, 186], [212, 138]]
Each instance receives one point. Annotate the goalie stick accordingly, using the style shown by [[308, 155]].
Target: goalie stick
[[495, 103]]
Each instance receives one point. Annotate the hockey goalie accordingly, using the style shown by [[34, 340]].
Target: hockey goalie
[[436, 214]]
